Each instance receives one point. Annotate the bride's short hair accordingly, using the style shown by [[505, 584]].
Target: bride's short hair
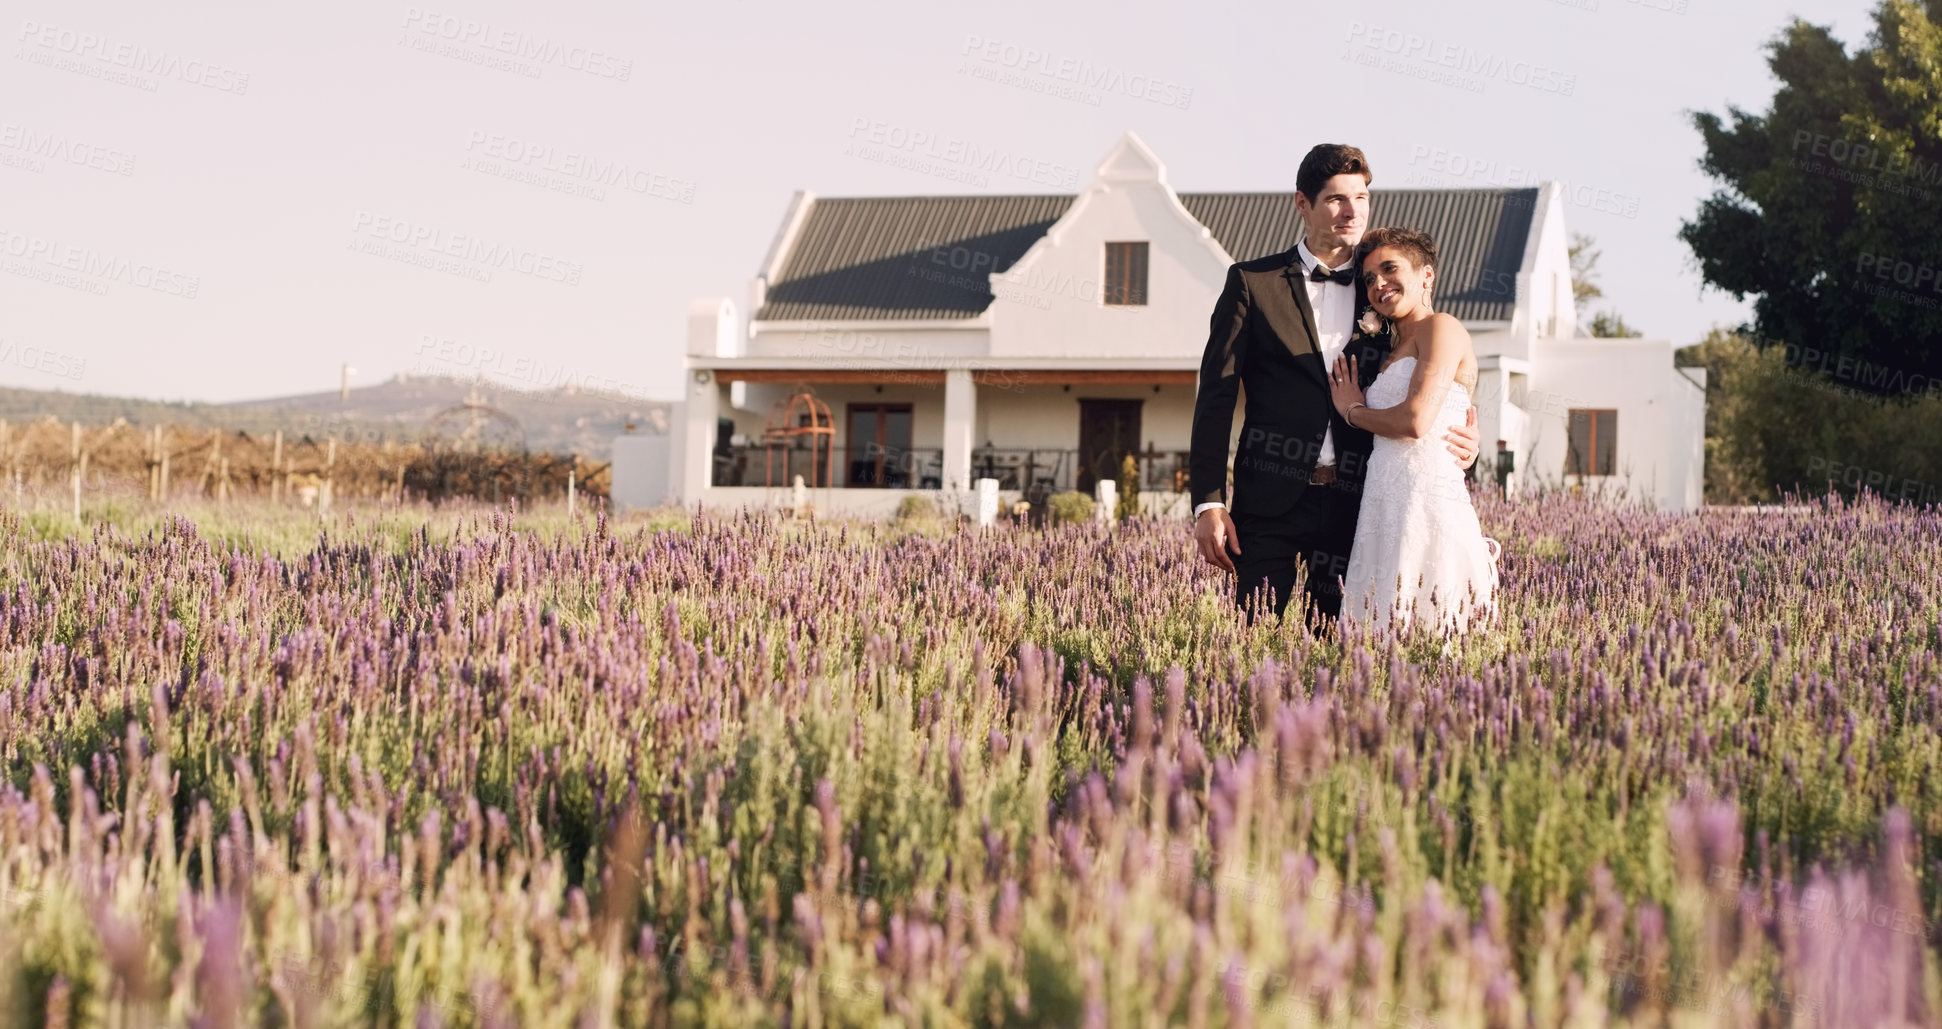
[[1418, 245]]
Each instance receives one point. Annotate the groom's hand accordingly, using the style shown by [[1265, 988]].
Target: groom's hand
[[1213, 535], [1463, 442]]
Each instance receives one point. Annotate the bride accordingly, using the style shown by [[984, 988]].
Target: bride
[[1419, 551]]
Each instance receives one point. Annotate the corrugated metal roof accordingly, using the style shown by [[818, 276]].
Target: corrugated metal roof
[[903, 258], [1480, 236], [896, 258]]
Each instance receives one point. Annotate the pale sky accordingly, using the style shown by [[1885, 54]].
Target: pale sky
[[226, 201]]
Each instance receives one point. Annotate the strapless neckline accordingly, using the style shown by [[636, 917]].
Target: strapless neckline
[[1399, 363]]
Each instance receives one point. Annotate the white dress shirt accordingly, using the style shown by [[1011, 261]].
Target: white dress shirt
[[1334, 307]]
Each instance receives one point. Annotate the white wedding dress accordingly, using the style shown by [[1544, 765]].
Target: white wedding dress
[[1420, 554]]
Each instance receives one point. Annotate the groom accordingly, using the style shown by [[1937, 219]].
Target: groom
[[1279, 325]]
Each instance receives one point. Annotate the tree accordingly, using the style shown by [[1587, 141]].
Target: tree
[[1772, 429], [1612, 324], [1584, 265], [1827, 212]]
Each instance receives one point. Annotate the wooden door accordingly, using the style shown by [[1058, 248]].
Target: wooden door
[[878, 447], [1108, 431]]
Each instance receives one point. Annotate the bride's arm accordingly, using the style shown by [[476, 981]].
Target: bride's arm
[[1416, 416]]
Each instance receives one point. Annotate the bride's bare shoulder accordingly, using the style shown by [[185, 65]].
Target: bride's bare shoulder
[[1449, 338], [1445, 324]]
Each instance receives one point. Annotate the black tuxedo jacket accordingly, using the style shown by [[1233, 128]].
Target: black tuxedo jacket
[[1263, 338]]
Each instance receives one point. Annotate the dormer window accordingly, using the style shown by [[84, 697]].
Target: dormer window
[[1125, 279]]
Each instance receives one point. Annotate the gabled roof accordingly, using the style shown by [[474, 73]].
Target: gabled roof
[[909, 258], [1480, 236], [901, 258]]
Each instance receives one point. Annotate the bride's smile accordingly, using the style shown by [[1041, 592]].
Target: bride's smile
[[1395, 285]]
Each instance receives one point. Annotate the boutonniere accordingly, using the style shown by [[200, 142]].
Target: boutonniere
[[1370, 323]]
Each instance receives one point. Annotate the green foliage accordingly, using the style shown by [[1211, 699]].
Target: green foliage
[[1773, 429], [917, 507], [1584, 265], [1127, 505], [1071, 507], [1612, 324], [1829, 211]]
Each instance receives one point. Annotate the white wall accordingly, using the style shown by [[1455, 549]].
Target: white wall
[[1688, 440], [1056, 306], [643, 471], [1660, 416], [1544, 300]]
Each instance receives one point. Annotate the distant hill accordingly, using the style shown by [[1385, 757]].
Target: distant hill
[[559, 421]]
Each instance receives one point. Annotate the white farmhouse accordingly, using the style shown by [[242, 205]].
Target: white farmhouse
[[900, 345]]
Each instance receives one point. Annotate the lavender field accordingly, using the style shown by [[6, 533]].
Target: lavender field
[[743, 771]]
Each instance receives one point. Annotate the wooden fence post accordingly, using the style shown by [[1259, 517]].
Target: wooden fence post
[[75, 458], [330, 466]]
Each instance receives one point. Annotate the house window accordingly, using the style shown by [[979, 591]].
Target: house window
[[1593, 444], [1125, 281], [878, 449]]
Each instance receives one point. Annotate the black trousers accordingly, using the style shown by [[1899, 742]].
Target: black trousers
[[1315, 534]]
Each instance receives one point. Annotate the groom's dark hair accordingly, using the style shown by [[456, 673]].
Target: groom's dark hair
[[1324, 162]]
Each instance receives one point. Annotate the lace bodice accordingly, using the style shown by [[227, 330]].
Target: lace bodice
[[1425, 458]]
